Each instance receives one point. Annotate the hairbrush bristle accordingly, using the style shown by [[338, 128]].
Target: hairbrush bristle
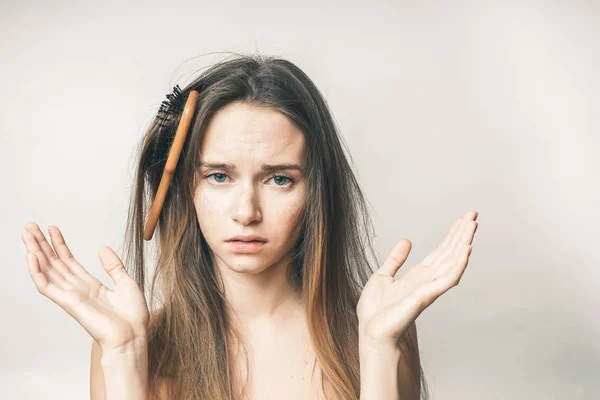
[[169, 108]]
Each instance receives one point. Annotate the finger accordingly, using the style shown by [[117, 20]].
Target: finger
[[449, 236], [466, 238], [45, 286], [463, 261], [66, 256], [48, 251], [39, 279], [396, 258], [33, 248], [113, 265], [40, 242], [35, 230], [471, 233], [449, 278], [58, 241], [465, 226], [457, 235], [469, 226], [443, 247]]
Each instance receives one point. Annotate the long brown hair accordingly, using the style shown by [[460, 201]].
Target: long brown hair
[[190, 332]]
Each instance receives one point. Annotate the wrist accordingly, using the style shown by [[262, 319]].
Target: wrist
[[126, 371], [379, 374], [374, 352], [371, 345], [134, 352]]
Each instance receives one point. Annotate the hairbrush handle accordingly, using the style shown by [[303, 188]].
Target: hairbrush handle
[[172, 159]]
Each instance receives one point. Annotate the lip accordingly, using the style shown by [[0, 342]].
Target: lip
[[245, 247], [247, 238]]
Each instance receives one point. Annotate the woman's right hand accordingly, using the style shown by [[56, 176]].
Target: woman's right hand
[[115, 317]]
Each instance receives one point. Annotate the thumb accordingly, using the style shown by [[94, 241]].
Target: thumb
[[395, 258], [113, 265]]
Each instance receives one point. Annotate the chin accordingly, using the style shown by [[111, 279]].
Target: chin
[[246, 263]]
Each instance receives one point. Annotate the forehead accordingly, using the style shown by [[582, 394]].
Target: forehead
[[241, 133]]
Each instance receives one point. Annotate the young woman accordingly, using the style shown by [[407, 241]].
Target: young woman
[[263, 260]]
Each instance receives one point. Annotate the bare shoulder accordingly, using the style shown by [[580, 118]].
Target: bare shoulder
[[97, 388]]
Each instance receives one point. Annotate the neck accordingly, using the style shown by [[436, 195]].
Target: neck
[[262, 297]]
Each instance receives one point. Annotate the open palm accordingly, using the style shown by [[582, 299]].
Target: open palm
[[113, 317], [388, 306]]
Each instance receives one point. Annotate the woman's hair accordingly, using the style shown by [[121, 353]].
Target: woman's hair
[[190, 334]]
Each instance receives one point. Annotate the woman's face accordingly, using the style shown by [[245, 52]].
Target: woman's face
[[245, 197]]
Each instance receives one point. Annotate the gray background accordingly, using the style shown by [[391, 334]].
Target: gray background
[[445, 106]]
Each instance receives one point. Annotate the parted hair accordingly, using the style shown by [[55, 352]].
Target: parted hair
[[190, 334]]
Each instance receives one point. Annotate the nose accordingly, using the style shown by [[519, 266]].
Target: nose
[[247, 208]]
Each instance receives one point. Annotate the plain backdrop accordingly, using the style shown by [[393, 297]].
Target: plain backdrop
[[445, 106]]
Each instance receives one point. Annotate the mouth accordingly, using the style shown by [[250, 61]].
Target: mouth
[[240, 246]]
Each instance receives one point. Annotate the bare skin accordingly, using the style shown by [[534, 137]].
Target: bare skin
[[115, 318], [271, 346], [282, 362], [248, 199], [243, 200]]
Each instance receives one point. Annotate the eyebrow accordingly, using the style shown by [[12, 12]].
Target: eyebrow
[[264, 167]]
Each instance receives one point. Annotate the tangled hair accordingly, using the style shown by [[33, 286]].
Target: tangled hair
[[190, 332]]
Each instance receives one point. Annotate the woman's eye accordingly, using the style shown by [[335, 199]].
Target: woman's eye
[[280, 180], [217, 177]]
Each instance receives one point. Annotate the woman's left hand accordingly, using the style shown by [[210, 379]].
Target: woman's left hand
[[387, 307]]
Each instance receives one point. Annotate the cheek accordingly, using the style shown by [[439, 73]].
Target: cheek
[[208, 212], [286, 217]]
